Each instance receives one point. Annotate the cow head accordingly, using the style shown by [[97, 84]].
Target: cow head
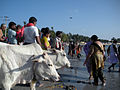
[[59, 58], [44, 68]]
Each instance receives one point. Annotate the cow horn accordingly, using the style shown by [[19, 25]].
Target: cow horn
[[44, 54], [32, 57], [54, 50], [34, 60]]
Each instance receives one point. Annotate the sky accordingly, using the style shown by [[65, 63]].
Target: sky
[[83, 17]]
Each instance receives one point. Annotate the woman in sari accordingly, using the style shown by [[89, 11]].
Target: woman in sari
[[96, 57]]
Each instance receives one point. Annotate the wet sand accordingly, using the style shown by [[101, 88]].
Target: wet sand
[[76, 78]]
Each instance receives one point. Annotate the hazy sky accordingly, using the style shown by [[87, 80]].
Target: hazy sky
[[100, 17]]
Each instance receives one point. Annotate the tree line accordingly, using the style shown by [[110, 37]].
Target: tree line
[[76, 37]]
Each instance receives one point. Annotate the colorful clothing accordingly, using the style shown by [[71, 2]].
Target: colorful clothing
[[22, 31], [97, 57], [97, 63], [87, 50], [113, 58], [43, 41], [18, 36]]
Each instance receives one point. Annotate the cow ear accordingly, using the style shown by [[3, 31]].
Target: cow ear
[[54, 51], [32, 57]]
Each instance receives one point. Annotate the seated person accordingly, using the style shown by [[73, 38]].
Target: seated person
[[12, 33], [44, 40], [58, 42], [2, 29]]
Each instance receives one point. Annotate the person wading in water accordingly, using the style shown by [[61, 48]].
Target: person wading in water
[[96, 57]]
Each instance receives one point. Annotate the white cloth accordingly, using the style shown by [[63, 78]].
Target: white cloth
[[30, 33], [113, 56], [58, 43]]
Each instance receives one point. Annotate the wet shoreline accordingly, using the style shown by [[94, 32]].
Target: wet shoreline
[[76, 78]]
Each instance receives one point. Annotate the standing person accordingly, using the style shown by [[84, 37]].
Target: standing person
[[113, 54], [31, 34], [73, 49], [78, 50], [2, 29], [70, 48], [12, 33], [96, 56], [88, 64], [42, 32], [58, 42], [44, 40]]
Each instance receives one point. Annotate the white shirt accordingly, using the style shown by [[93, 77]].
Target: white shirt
[[30, 33], [58, 43]]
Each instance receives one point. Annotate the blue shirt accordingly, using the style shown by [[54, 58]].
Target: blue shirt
[[87, 47], [12, 36]]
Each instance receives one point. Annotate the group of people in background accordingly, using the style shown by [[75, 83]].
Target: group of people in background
[[94, 49], [74, 49], [96, 54], [29, 34]]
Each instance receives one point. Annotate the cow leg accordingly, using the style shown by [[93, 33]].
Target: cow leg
[[6, 87], [8, 82], [32, 85]]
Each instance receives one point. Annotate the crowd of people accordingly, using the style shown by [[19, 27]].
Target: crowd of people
[[29, 34], [94, 49], [96, 55], [74, 49]]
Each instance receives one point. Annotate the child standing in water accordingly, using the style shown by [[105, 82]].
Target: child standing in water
[[78, 50]]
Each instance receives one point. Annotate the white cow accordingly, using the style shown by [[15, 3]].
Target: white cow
[[15, 66], [58, 57]]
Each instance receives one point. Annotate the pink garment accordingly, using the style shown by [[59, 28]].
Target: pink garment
[[29, 24], [18, 36], [22, 31]]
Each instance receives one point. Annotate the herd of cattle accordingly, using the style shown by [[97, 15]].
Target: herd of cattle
[[29, 63]]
